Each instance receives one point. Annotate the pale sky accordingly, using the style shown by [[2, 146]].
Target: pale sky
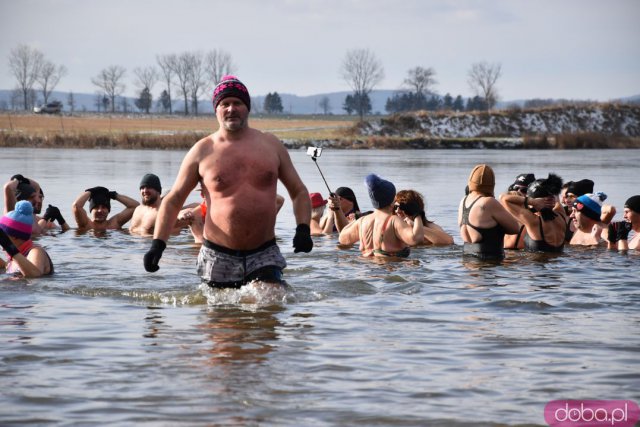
[[574, 49]]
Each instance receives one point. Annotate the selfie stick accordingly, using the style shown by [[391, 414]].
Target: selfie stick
[[325, 181]]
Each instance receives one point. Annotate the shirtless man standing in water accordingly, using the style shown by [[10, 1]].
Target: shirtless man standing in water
[[238, 168]]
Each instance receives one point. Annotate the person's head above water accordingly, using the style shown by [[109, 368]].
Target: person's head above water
[[381, 192], [522, 182], [482, 180], [633, 203], [19, 222], [348, 194], [152, 181], [590, 205], [100, 197]]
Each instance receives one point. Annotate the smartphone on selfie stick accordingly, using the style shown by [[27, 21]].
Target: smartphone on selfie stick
[[316, 152]]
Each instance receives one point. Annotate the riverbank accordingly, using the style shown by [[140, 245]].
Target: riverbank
[[560, 128]]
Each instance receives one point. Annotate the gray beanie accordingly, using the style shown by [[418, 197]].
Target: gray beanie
[[381, 191], [152, 181]]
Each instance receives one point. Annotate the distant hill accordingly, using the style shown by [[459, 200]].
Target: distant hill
[[292, 104]]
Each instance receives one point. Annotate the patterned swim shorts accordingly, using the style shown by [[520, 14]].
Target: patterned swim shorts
[[221, 267]]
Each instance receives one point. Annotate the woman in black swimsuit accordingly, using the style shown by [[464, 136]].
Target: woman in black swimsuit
[[482, 219], [541, 213]]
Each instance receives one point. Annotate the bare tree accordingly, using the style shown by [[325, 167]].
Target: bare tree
[[362, 71], [197, 79], [49, 77], [146, 78], [325, 104], [218, 63], [183, 76], [167, 64], [110, 81], [482, 81], [25, 63], [420, 80]]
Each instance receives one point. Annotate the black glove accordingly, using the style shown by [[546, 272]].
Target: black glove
[[7, 244], [113, 194], [618, 231], [612, 232], [152, 257], [21, 179], [302, 240], [53, 214]]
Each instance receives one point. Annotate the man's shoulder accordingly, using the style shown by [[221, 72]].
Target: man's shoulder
[[205, 142]]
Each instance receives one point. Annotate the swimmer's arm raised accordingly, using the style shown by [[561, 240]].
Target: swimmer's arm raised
[[130, 206], [77, 208], [411, 235]]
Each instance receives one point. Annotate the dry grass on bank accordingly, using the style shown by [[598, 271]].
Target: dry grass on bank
[[123, 130]]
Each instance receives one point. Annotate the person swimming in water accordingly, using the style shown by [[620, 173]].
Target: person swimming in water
[[343, 208], [618, 232], [586, 216], [408, 204], [383, 234], [25, 258], [541, 214], [484, 221], [519, 187]]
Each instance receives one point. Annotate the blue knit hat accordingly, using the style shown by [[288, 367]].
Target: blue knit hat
[[19, 222], [590, 205], [381, 191]]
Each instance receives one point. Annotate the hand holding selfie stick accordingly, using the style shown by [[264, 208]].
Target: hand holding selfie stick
[[315, 152]]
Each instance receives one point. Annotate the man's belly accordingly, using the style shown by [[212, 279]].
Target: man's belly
[[242, 228]]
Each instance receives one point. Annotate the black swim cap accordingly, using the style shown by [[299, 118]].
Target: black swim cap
[[633, 203], [100, 196], [522, 182], [579, 188], [545, 187]]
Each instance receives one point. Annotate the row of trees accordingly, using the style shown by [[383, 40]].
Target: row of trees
[[189, 75], [363, 71]]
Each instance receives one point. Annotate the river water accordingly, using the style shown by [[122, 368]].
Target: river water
[[432, 340]]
